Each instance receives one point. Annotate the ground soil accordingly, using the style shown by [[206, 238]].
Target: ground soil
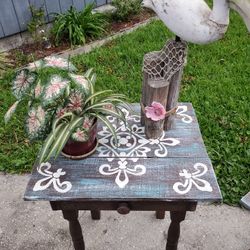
[[35, 51]]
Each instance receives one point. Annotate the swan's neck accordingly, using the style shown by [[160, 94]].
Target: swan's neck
[[220, 12]]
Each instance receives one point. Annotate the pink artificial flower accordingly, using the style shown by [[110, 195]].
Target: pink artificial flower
[[155, 112]]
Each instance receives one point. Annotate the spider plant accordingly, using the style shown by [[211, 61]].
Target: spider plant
[[62, 106]]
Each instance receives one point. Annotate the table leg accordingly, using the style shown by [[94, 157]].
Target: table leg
[[95, 214], [174, 229], [160, 214], [74, 228]]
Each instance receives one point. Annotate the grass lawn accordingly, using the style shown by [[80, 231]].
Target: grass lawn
[[216, 81]]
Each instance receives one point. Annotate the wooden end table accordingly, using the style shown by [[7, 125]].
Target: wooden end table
[[172, 173]]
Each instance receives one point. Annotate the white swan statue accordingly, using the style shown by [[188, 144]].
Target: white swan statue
[[193, 20]]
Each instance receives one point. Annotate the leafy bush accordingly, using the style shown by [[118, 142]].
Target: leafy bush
[[37, 23], [126, 8], [61, 106], [76, 26]]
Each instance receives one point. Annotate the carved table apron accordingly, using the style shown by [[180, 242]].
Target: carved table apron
[[172, 173]]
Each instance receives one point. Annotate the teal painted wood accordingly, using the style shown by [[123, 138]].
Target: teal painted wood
[[173, 169], [22, 12], [157, 183], [185, 135], [8, 18]]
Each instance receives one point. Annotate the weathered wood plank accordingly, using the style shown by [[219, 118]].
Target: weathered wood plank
[[1, 31], [8, 18], [40, 4], [182, 141], [162, 180], [53, 7], [22, 12], [153, 91], [187, 143], [159, 170], [90, 2], [141, 205], [100, 2], [65, 5], [15, 14], [37, 3]]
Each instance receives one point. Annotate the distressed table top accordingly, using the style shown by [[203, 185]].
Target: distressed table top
[[175, 167]]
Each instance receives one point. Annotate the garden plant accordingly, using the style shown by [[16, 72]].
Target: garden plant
[[61, 107], [76, 26], [125, 9]]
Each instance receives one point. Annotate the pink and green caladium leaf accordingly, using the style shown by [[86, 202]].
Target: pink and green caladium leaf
[[38, 90], [81, 82], [87, 122], [35, 65], [76, 102], [22, 82], [58, 62], [80, 135], [36, 122], [10, 112], [54, 88]]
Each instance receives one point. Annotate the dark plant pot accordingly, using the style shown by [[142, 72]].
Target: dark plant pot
[[79, 150]]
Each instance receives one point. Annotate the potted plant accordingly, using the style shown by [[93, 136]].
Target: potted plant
[[63, 107]]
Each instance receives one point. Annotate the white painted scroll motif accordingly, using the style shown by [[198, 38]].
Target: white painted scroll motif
[[185, 118], [51, 179], [133, 142], [132, 145], [122, 171], [193, 179]]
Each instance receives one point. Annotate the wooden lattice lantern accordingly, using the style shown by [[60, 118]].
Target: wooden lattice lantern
[[162, 71]]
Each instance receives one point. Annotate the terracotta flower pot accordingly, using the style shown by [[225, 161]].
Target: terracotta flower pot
[[79, 150]]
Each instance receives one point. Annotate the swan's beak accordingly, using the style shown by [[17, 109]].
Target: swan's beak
[[243, 8]]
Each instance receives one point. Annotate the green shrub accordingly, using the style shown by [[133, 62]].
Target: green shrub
[[76, 26], [126, 8], [37, 23]]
